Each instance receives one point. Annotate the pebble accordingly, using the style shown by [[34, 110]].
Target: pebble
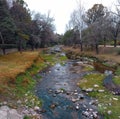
[[96, 86], [109, 112], [101, 91], [52, 106], [80, 96], [89, 90], [74, 100], [5, 103], [36, 108], [77, 107], [19, 102], [54, 95]]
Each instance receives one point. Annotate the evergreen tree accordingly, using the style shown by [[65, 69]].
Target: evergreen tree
[[7, 26]]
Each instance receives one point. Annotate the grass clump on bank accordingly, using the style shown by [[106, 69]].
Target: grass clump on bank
[[107, 101], [16, 76], [13, 64]]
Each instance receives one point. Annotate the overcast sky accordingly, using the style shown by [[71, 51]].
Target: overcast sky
[[61, 9]]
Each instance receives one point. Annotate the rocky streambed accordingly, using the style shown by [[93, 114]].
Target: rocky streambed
[[62, 98]]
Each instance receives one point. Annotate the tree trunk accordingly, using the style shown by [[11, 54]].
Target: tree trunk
[[96, 48], [104, 42], [115, 42], [3, 46], [20, 46], [81, 46], [32, 47], [4, 52]]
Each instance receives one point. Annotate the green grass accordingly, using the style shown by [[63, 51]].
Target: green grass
[[116, 80], [106, 99], [88, 68], [25, 82], [17, 72]]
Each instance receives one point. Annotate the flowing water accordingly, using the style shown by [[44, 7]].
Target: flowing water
[[62, 98]]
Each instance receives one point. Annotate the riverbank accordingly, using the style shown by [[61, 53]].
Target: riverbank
[[109, 103], [17, 83]]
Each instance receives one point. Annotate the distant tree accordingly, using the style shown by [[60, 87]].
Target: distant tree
[[115, 23], [71, 37], [96, 21], [7, 26], [94, 14], [77, 23], [45, 28]]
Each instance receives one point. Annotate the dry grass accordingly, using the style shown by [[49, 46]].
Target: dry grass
[[13, 64], [109, 53]]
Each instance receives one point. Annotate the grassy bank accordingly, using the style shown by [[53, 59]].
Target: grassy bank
[[16, 76], [108, 104], [110, 54]]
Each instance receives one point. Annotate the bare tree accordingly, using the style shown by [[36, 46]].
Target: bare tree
[[77, 22], [45, 28], [115, 23]]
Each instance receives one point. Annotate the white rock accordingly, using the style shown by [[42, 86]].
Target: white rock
[[89, 90], [74, 100], [109, 112], [4, 108], [116, 99], [77, 107], [5, 103], [19, 101], [96, 86], [3, 114], [101, 91], [36, 108], [95, 115], [13, 114]]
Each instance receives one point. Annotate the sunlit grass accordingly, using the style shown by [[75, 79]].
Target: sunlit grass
[[13, 64]]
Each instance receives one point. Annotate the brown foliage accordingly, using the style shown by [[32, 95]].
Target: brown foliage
[[102, 68]]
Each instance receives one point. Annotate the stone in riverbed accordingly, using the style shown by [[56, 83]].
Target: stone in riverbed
[[80, 96], [57, 91], [54, 95], [74, 100], [93, 102], [95, 115], [86, 113], [36, 108], [77, 107], [53, 106]]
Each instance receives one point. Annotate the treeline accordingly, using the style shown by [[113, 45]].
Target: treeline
[[21, 29], [94, 27]]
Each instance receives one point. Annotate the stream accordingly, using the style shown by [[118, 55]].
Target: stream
[[62, 98]]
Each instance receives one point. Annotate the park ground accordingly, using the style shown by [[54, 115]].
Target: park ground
[[17, 70]]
